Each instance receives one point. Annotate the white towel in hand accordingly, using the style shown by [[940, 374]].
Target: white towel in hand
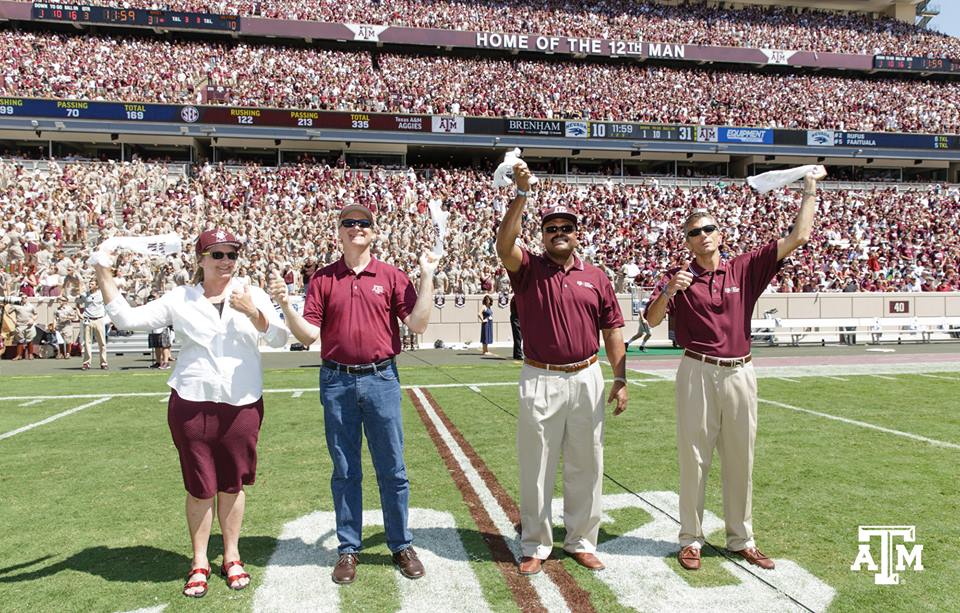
[[440, 218], [161, 245], [768, 181], [503, 176]]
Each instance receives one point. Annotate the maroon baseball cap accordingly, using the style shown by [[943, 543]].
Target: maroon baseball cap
[[215, 237], [357, 208], [558, 211]]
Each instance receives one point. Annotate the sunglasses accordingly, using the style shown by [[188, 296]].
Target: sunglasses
[[362, 223], [566, 229], [708, 229], [219, 255]]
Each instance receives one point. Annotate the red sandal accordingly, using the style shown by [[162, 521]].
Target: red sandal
[[233, 579], [191, 584]]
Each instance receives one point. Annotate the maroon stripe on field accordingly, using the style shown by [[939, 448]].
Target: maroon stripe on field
[[577, 598], [524, 595]]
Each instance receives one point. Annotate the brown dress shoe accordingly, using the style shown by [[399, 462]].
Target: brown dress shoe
[[408, 563], [756, 557], [689, 557], [587, 560], [530, 566], [346, 569]]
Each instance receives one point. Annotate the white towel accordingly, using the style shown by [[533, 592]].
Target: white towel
[[768, 181], [440, 219], [503, 176], [159, 245]]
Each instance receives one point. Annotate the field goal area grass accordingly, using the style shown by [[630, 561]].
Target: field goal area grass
[[91, 497]]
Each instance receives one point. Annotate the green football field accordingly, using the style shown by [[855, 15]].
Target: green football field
[[92, 502]]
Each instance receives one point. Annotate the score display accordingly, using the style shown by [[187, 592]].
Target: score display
[[81, 13]]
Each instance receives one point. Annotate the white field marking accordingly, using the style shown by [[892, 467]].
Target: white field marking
[[637, 571], [549, 593], [474, 388], [297, 577], [156, 609], [165, 398], [296, 394], [635, 382], [788, 380], [832, 370], [922, 375], [884, 377], [30, 403], [838, 379], [54, 417], [864, 424]]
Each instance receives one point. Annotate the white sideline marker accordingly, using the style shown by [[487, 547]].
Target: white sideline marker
[[30, 403], [474, 388], [838, 379], [787, 379], [884, 377], [54, 417], [922, 375], [864, 424], [296, 394]]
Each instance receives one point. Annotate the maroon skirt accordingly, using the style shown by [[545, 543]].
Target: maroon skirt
[[217, 443]]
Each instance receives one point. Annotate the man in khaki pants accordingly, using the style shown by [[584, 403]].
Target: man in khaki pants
[[711, 301], [94, 320], [564, 306]]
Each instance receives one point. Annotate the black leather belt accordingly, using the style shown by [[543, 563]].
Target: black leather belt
[[358, 369]]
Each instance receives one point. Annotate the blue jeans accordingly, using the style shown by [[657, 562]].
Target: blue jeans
[[370, 404]]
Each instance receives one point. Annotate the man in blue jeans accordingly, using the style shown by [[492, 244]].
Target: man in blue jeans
[[353, 307]]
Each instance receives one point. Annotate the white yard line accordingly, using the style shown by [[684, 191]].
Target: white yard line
[[30, 403], [474, 388], [884, 377], [864, 424], [838, 379], [296, 394], [788, 380], [549, 592], [54, 417], [940, 377]]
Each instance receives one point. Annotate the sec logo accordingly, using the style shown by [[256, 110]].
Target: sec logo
[[189, 114]]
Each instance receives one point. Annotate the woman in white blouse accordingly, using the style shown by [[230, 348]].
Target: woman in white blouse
[[216, 405]]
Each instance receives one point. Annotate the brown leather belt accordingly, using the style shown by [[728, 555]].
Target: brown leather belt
[[725, 362], [562, 367]]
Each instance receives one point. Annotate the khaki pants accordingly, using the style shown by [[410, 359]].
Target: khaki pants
[[94, 327], [716, 407], [560, 413]]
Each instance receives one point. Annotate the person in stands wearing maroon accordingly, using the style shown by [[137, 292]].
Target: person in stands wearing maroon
[[564, 305], [353, 307], [711, 301]]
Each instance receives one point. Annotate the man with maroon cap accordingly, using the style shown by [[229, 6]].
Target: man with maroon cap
[[353, 307], [564, 306], [711, 301]]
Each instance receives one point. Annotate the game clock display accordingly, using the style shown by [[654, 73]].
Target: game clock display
[[48, 11], [915, 63]]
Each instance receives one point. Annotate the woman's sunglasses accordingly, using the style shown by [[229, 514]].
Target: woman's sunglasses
[[349, 223], [219, 255], [708, 229]]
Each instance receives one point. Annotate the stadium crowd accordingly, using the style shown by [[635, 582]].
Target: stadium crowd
[[150, 70], [881, 240], [757, 27]]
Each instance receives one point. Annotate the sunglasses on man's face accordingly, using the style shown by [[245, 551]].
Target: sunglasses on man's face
[[362, 223], [708, 229], [219, 255], [566, 229]]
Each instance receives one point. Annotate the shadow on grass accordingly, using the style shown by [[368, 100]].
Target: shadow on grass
[[140, 563]]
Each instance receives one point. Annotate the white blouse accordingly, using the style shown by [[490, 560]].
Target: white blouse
[[219, 360]]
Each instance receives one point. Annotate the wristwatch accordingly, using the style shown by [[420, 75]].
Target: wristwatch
[[524, 193]]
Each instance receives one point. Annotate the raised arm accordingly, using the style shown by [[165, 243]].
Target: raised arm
[[803, 224], [304, 331], [510, 254], [418, 319]]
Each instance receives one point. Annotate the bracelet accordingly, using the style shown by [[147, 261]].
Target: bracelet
[[620, 379]]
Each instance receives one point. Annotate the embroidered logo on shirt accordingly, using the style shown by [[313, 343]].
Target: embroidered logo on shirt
[[585, 284], [731, 290], [378, 289]]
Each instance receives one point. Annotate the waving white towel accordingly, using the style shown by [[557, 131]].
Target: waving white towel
[[160, 245], [503, 176], [778, 178], [440, 218]]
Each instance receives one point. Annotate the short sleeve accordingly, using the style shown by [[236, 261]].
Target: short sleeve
[[313, 305], [404, 295], [520, 278], [760, 267], [610, 314]]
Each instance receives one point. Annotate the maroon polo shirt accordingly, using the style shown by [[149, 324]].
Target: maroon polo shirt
[[712, 316], [562, 312], [357, 314]]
